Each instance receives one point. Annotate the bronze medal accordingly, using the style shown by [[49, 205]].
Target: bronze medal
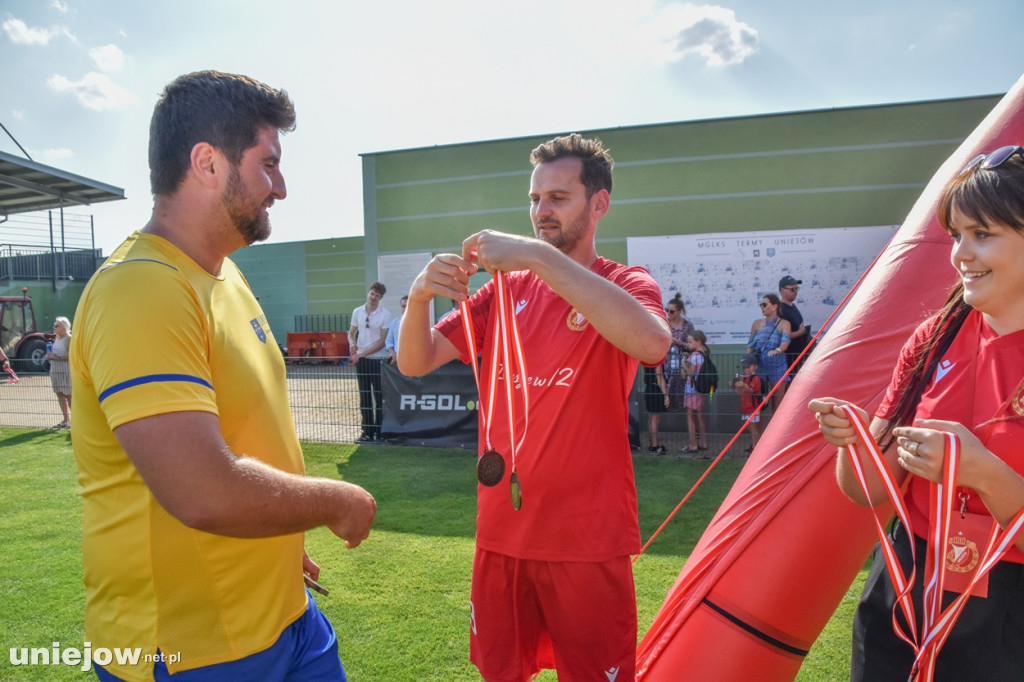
[[490, 468], [516, 491]]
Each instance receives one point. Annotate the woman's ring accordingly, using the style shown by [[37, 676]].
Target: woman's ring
[[912, 448]]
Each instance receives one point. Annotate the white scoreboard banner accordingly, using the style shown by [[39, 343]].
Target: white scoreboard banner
[[722, 277]]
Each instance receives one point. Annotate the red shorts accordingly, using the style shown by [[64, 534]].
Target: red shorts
[[577, 617]]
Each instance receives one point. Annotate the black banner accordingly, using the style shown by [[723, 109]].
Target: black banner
[[438, 409]]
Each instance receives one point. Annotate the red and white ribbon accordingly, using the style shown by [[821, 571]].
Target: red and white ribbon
[[936, 623], [508, 348]]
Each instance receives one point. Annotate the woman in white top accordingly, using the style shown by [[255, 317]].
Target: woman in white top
[[60, 374]]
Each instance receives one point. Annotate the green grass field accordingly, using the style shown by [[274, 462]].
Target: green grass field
[[399, 601]]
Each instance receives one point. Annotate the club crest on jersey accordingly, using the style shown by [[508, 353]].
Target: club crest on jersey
[[1018, 401], [575, 321], [257, 326]]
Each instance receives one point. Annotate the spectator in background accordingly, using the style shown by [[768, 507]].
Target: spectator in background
[[455, 306], [697, 344], [366, 349], [5, 362], [60, 373], [656, 400], [769, 338], [391, 341], [748, 385], [799, 333], [680, 327]]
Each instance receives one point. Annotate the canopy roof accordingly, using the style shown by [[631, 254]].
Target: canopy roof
[[29, 186]]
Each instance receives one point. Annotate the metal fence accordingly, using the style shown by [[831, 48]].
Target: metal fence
[[48, 245], [324, 400], [28, 262], [322, 323]]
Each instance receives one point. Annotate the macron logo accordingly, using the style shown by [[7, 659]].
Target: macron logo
[[520, 305], [943, 369], [611, 674]]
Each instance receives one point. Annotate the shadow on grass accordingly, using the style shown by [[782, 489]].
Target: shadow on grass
[[432, 491], [429, 491], [31, 437]]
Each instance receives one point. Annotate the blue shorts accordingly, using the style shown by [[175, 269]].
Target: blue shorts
[[306, 650]]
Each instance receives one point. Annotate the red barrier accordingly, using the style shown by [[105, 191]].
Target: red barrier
[[317, 346]]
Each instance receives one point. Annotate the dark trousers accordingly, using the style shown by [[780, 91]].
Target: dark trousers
[[371, 397], [987, 642]]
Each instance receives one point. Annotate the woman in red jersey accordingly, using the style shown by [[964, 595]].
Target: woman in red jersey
[[960, 372]]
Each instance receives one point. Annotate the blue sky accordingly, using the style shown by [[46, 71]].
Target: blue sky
[[78, 78]]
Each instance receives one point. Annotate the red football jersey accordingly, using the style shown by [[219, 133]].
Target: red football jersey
[[575, 466], [978, 384]]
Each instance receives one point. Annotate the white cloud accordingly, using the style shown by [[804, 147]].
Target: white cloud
[[20, 33], [714, 34], [709, 32], [61, 7], [18, 114], [54, 155], [95, 91], [107, 57]]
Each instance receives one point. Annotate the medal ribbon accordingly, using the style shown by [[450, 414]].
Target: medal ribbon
[[509, 344], [14, 377], [936, 623], [487, 408]]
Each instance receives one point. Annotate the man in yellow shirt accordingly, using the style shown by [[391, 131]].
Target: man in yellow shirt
[[194, 488]]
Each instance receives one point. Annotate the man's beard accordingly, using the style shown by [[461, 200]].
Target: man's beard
[[568, 235], [253, 228]]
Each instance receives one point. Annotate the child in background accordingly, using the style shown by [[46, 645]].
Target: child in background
[[748, 385], [656, 401], [696, 343]]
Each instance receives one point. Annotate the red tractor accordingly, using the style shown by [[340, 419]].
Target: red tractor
[[19, 336]]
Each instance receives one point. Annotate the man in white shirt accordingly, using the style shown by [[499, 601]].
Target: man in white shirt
[[366, 350]]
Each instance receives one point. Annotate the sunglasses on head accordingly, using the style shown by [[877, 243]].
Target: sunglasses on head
[[994, 159]]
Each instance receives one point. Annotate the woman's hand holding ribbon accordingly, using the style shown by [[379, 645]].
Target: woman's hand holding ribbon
[[921, 447], [834, 425]]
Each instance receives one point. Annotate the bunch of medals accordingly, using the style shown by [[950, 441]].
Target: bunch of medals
[[490, 467]]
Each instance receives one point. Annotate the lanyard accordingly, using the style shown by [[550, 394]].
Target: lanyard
[[936, 622], [507, 359]]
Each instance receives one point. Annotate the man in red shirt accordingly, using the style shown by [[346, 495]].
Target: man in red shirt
[[552, 583]]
